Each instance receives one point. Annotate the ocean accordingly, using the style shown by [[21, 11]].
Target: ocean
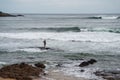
[[72, 38]]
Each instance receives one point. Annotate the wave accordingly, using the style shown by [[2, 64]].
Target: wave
[[59, 29], [94, 17], [111, 30], [72, 29], [104, 17], [114, 31], [71, 36]]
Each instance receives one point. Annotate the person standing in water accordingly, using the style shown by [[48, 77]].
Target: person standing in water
[[44, 43]]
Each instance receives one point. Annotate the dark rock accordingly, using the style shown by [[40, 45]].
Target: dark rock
[[8, 15], [40, 65], [20, 15], [23, 78], [43, 48], [100, 73], [59, 65], [82, 70], [20, 71], [108, 75], [84, 64], [91, 61]]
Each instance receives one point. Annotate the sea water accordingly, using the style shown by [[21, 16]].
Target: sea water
[[73, 38]]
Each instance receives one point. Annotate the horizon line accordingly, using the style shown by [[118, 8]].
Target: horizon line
[[54, 13]]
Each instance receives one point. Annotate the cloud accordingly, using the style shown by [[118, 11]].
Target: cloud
[[61, 6]]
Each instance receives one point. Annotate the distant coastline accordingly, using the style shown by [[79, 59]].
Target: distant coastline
[[2, 14]]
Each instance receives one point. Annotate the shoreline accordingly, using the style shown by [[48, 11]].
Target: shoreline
[[25, 71], [53, 75], [59, 75]]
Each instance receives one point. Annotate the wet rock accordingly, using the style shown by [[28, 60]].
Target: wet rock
[[20, 71], [40, 65], [43, 48], [19, 15], [82, 70], [8, 15], [91, 61], [59, 65], [108, 75], [86, 63]]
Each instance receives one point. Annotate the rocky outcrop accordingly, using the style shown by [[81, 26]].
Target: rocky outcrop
[[20, 71], [8, 15], [86, 63], [108, 75]]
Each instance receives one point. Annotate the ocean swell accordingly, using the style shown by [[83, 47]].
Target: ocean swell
[[72, 29], [53, 29]]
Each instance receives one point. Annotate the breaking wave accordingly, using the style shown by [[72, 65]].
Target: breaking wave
[[104, 17], [82, 36]]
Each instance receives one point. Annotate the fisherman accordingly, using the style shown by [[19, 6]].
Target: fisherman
[[44, 44]]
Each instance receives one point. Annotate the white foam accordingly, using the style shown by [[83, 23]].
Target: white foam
[[32, 50], [72, 69], [109, 17], [3, 63], [79, 36]]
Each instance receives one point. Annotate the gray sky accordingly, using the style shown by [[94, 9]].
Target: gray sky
[[60, 6]]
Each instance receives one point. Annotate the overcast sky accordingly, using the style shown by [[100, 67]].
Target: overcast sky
[[60, 6]]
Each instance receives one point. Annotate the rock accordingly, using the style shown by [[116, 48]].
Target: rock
[[59, 65], [8, 15], [40, 65], [82, 70], [108, 75], [23, 78], [91, 61], [43, 48], [20, 71], [20, 15], [84, 64]]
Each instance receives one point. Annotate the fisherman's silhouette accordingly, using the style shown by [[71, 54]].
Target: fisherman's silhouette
[[44, 44]]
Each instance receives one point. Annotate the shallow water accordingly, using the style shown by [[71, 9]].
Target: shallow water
[[70, 37]]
